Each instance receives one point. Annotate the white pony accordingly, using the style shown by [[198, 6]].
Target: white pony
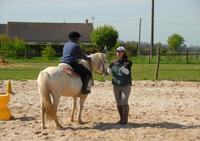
[[55, 82]]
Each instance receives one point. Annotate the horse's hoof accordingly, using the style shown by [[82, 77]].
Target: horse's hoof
[[80, 122], [59, 127]]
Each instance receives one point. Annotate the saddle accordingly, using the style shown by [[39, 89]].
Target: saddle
[[68, 69]]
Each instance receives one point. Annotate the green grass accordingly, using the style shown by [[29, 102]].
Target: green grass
[[166, 60], [21, 70], [175, 72]]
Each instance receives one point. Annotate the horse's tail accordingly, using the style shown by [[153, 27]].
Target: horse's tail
[[45, 95]]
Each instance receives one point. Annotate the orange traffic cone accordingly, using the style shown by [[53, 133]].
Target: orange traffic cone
[[9, 87]]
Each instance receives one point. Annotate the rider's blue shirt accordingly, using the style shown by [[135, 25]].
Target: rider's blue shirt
[[72, 52]]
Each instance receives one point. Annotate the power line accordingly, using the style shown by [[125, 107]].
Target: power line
[[145, 19], [179, 24], [173, 23], [120, 20]]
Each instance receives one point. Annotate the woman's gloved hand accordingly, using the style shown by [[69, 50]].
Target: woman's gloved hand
[[124, 70]]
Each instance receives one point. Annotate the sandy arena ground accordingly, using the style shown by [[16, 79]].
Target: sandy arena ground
[[159, 111]]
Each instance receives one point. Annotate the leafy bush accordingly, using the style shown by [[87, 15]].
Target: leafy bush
[[5, 43], [10, 47], [48, 52], [131, 49], [89, 48], [175, 42]]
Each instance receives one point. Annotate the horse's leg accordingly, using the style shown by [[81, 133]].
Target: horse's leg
[[73, 108], [82, 100], [56, 100], [43, 112]]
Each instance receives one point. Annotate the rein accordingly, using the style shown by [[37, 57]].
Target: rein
[[101, 64], [98, 63]]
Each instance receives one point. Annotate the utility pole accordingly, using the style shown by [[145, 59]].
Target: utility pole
[[138, 51], [152, 27]]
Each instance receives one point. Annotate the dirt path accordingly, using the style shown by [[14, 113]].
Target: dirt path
[[159, 111]]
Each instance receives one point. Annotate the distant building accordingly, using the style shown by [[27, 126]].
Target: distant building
[[34, 33], [3, 28]]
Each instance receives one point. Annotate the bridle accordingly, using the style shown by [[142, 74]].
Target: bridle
[[103, 66], [98, 64]]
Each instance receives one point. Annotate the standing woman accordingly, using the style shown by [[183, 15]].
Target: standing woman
[[122, 81]]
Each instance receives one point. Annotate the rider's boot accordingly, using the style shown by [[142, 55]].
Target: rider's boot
[[85, 88]]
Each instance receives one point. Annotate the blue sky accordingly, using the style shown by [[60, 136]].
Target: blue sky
[[171, 16]]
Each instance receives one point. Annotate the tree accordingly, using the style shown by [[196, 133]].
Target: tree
[[104, 36], [10, 46], [175, 42], [17, 45]]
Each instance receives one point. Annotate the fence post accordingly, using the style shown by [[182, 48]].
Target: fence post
[[158, 63], [187, 59], [25, 53], [149, 55]]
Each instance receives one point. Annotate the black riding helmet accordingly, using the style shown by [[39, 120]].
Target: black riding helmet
[[74, 35]]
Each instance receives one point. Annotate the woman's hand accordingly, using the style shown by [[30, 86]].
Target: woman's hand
[[124, 70]]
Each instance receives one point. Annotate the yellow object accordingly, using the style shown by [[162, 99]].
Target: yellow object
[[4, 99], [9, 87]]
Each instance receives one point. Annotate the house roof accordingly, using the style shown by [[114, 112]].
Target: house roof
[[3, 28], [48, 32]]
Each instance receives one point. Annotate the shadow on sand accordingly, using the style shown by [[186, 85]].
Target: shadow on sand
[[109, 126], [24, 118], [167, 125]]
